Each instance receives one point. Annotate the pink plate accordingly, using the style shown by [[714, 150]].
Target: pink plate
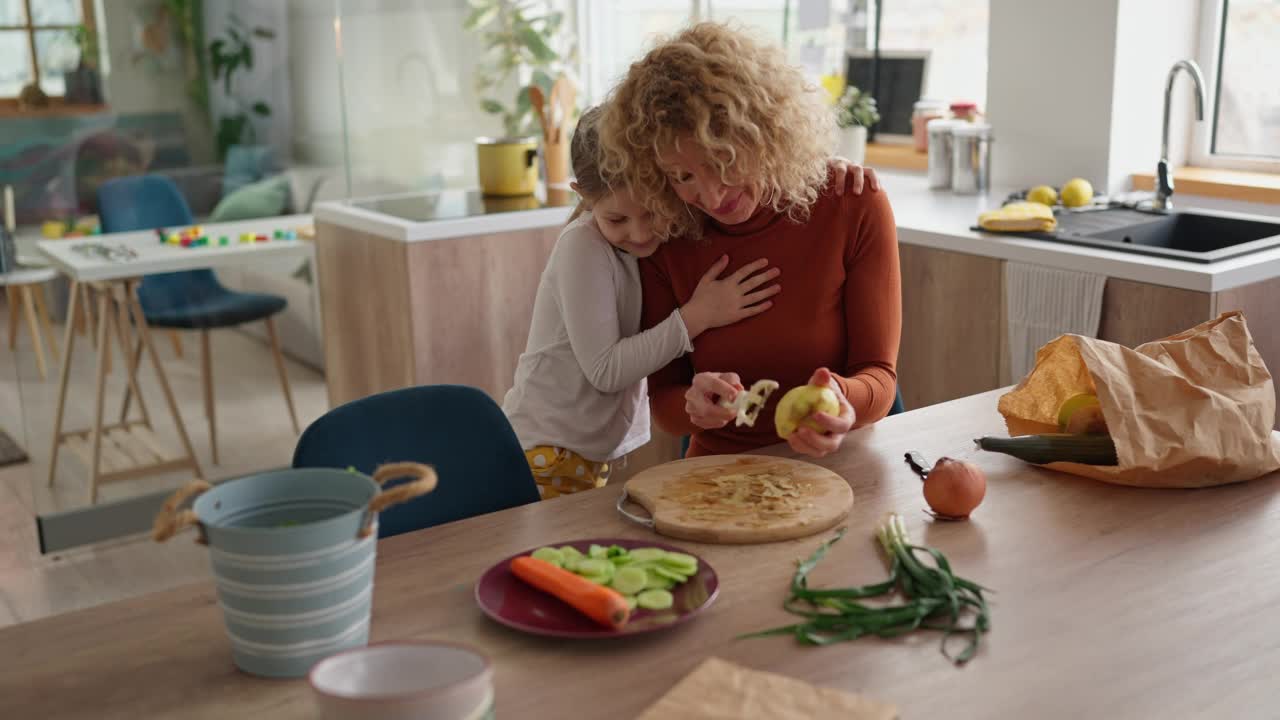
[[514, 603]]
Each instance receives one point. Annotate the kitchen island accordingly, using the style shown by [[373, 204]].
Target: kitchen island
[[439, 289], [1108, 602]]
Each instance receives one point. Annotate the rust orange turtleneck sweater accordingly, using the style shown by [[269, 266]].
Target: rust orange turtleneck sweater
[[840, 308]]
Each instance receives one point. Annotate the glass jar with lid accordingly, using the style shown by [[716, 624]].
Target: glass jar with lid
[[965, 110], [924, 111]]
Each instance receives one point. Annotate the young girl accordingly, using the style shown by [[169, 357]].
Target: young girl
[[579, 399]]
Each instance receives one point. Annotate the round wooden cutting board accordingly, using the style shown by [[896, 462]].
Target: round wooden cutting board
[[740, 499]]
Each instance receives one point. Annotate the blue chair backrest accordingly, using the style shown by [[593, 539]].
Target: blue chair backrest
[[147, 202], [459, 430], [898, 405]]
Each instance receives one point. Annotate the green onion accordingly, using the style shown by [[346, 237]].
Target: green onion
[[932, 597]]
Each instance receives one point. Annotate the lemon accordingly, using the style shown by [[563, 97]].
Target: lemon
[[799, 403], [1044, 195], [1081, 414], [1077, 193]]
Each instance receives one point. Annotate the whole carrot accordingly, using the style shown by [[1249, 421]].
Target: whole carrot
[[602, 604]]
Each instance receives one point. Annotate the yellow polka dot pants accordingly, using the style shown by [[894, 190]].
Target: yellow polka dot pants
[[559, 471]]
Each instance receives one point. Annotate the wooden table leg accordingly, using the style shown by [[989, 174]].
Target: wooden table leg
[[86, 317], [284, 377], [206, 374], [140, 325], [104, 350], [29, 305], [15, 300], [43, 311], [68, 345], [176, 339], [131, 359]]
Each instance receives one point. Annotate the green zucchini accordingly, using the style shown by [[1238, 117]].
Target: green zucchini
[[1086, 449]]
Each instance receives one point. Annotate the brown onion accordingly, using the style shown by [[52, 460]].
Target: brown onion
[[954, 488]]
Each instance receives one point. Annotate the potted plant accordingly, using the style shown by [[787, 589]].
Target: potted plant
[[855, 112], [227, 55], [83, 84], [525, 44]]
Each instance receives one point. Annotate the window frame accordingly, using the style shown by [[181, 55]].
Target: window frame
[[30, 28], [1212, 34]]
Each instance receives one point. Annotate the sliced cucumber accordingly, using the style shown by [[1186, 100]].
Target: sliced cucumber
[[621, 560], [592, 566], [631, 601], [550, 555], [654, 581], [599, 579], [655, 600], [598, 551], [616, 551], [629, 581], [648, 554], [668, 574], [680, 562], [570, 551]]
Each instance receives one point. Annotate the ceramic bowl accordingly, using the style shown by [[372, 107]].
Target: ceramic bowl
[[401, 680]]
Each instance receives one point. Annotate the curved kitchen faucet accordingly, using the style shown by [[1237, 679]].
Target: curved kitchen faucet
[[1164, 179]]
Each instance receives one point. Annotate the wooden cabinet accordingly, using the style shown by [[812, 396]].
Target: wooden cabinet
[[952, 325], [398, 314], [955, 337]]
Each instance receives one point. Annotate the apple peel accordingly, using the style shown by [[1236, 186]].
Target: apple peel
[[749, 403]]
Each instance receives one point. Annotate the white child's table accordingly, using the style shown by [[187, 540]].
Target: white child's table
[[130, 448]]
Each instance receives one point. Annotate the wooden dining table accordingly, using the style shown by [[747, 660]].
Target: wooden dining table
[[1108, 601]]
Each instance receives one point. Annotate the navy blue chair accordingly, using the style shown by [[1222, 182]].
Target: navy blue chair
[[456, 429], [191, 299], [897, 407]]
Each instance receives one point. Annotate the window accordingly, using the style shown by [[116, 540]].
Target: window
[[1240, 59], [953, 32], [38, 43], [614, 33]]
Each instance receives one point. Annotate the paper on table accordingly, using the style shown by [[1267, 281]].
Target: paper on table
[[1194, 409], [720, 690]]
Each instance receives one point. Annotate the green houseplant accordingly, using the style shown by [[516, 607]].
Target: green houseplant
[[524, 43], [83, 83], [855, 112], [227, 55]]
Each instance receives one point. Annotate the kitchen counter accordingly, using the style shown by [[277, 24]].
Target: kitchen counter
[[926, 218], [940, 220], [418, 217]]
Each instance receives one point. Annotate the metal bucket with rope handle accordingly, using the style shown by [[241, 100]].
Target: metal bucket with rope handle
[[292, 553]]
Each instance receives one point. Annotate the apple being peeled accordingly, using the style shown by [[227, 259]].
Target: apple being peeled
[[796, 407]]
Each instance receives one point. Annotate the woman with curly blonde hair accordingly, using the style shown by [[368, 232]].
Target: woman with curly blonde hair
[[726, 145]]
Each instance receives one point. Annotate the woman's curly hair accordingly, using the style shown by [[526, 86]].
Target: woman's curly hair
[[758, 120]]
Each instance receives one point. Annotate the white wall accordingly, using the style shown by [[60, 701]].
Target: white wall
[[1077, 89], [411, 110], [1050, 73], [137, 84], [1152, 35]]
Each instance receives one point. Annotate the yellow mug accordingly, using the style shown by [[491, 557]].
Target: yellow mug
[[508, 166]]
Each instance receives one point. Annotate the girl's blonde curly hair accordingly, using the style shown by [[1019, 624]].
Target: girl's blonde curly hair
[[755, 116]]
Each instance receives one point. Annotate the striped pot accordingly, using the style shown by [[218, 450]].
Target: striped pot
[[292, 553]]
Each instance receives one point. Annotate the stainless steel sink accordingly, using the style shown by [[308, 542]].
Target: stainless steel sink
[[1197, 236]]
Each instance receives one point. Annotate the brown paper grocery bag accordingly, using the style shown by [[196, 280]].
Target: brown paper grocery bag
[[721, 690], [1195, 409]]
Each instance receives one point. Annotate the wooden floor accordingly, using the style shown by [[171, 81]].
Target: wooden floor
[[253, 433]]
